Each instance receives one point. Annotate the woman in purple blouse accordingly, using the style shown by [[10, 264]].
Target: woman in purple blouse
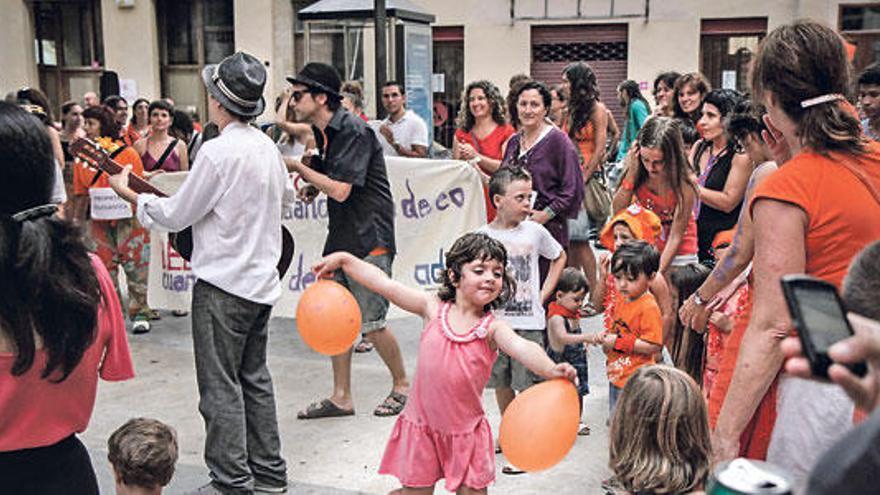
[[550, 157]]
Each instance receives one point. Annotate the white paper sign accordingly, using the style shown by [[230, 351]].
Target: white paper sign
[[438, 82], [106, 205], [728, 79], [128, 89]]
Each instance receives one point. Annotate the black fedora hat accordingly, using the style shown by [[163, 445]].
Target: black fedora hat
[[319, 76], [237, 83]]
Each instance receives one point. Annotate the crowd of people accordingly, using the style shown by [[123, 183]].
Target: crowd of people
[[675, 226]]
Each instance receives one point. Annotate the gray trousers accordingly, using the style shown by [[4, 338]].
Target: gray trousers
[[236, 399]]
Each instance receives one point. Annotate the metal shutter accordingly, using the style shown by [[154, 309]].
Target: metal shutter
[[603, 46]]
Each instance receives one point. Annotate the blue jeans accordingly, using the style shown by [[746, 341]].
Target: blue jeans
[[236, 398]]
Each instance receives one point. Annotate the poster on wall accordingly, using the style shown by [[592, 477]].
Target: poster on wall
[[418, 79]]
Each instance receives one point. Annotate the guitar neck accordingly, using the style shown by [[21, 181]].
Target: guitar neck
[[98, 158]]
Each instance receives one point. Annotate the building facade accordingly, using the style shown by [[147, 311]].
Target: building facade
[[156, 47]]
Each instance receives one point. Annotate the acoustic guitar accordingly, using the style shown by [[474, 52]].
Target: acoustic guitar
[[98, 159]]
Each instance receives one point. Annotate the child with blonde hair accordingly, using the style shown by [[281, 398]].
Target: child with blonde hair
[[443, 431], [660, 433]]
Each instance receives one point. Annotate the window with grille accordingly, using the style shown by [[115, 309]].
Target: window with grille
[[565, 52]]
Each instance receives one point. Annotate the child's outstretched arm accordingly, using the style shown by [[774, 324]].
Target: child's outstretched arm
[[528, 353], [559, 337], [597, 294], [411, 300]]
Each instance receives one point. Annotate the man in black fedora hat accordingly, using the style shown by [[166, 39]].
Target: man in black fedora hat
[[350, 170], [233, 199]]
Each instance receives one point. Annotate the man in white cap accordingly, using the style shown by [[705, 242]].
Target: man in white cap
[[233, 199]]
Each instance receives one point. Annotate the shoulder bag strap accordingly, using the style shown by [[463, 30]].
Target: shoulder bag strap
[[112, 157]]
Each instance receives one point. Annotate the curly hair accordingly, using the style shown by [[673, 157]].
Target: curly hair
[[465, 119], [470, 247], [582, 97]]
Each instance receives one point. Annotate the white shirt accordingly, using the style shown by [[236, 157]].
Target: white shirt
[[233, 198], [525, 243], [409, 130]]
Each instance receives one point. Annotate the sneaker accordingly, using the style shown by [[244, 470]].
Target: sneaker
[[611, 486], [140, 327], [179, 312], [208, 489]]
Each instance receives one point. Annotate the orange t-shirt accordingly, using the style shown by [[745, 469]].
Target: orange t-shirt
[[642, 319], [842, 213], [83, 174]]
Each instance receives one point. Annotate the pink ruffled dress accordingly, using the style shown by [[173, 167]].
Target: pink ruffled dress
[[443, 431]]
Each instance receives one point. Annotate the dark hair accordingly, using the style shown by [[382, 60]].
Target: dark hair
[[540, 87], [861, 287], [399, 85], [143, 453], [746, 118], [181, 126], [465, 119], [687, 345], [107, 119], [33, 96], [664, 133], [504, 176], [668, 78], [560, 93], [804, 60], [470, 247], [572, 280], [871, 75], [134, 107], [513, 85], [582, 98], [632, 91], [634, 258], [699, 82], [67, 106], [725, 100], [112, 101], [48, 286], [161, 105]]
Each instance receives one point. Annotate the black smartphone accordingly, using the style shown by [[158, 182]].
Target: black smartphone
[[820, 319]]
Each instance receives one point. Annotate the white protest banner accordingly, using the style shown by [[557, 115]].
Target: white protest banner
[[435, 201]]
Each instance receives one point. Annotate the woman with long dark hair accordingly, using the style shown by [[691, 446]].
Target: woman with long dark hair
[[139, 125], [637, 112], [60, 323], [586, 123], [664, 93], [481, 132], [687, 97], [723, 172]]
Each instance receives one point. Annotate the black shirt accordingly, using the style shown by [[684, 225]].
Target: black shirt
[[711, 220], [352, 154]]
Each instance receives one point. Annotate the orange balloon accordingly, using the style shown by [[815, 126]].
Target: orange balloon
[[540, 426], [328, 317]]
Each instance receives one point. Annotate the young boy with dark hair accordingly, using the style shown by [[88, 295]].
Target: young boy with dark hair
[[143, 453], [636, 333], [526, 241], [869, 100]]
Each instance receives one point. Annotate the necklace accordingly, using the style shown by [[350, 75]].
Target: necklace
[[531, 140]]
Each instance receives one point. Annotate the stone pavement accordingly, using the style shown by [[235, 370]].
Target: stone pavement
[[326, 456]]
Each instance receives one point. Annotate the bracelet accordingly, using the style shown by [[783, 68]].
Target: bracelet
[[549, 211]]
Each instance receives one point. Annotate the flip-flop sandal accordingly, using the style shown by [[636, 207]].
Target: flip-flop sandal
[[584, 431], [512, 470], [497, 449], [324, 409], [363, 346], [392, 405]]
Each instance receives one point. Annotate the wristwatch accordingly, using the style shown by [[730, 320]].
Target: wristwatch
[[699, 301]]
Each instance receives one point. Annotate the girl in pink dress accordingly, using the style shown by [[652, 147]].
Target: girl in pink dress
[[443, 431]]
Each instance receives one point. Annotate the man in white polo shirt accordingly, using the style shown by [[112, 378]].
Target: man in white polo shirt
[[402, 133]]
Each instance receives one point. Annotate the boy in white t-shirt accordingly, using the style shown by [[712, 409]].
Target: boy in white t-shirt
[[526, 241]]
